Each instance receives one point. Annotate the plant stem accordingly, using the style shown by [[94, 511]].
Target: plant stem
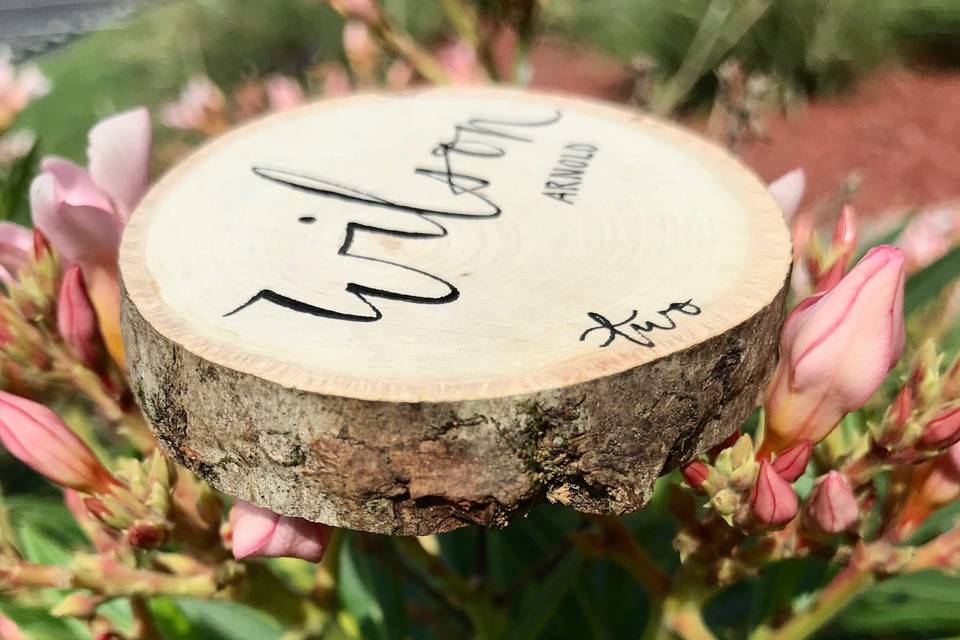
[[402, 45], [844, 587], [723, 25], [144, 627], [683, 615], [621, 546]]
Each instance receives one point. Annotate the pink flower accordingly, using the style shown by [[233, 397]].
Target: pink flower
[[942, 431], [18, 87], [83, 212], [930, 235], [792, 461], [283, 92], [16, 248], [832, 505], [76, 319], [16, 145], [261, 532], [788, 190], [772, 501], [200, 107], [459, 60], [39, 438], [835, 350]]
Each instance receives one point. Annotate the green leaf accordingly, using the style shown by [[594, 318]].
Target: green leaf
[[14, 191], [36, 546], [924, 604], [48, 516], [372, 595], [38, 624], [213, 620], [549, 594], [924, 286]]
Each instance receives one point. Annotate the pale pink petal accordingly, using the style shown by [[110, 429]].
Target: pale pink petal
[[83, 234], [788, 191], [119, 156], [299, 538], [252, 528], [75, 184], [261, 532]]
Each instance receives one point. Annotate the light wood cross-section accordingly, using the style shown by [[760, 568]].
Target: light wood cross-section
[[406, 313]]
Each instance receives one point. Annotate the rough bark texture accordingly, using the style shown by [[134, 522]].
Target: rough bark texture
[[414, 469]]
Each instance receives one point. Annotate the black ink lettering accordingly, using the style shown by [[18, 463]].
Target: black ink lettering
[[459, 184], [640, 331]]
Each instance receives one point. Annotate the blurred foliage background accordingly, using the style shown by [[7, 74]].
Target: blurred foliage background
[[811, 46]]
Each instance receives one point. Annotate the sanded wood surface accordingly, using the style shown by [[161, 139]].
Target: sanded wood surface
[[407, 313]]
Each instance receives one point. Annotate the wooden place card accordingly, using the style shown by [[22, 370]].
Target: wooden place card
[[407, 313]]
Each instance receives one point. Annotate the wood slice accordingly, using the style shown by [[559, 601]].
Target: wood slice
[[407, 313]]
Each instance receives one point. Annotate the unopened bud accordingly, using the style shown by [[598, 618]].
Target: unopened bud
[[832, 506], [77, 605], [695, 474], [146, 535], [792, 461], [773, 501], [942, 431]]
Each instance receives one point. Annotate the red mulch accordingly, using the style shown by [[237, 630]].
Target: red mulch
[[899, 129]]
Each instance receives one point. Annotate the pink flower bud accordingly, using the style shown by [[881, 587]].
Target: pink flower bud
[[16, 243], [773, 501], [942, 431], [902, 407], [76, 319], [934, 484], [792, 461], [832, 505], [835, 350], [38, 438], [695, 473], [41, 246], [841, 249], [788, 190], [9, 629], [260, 532]]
